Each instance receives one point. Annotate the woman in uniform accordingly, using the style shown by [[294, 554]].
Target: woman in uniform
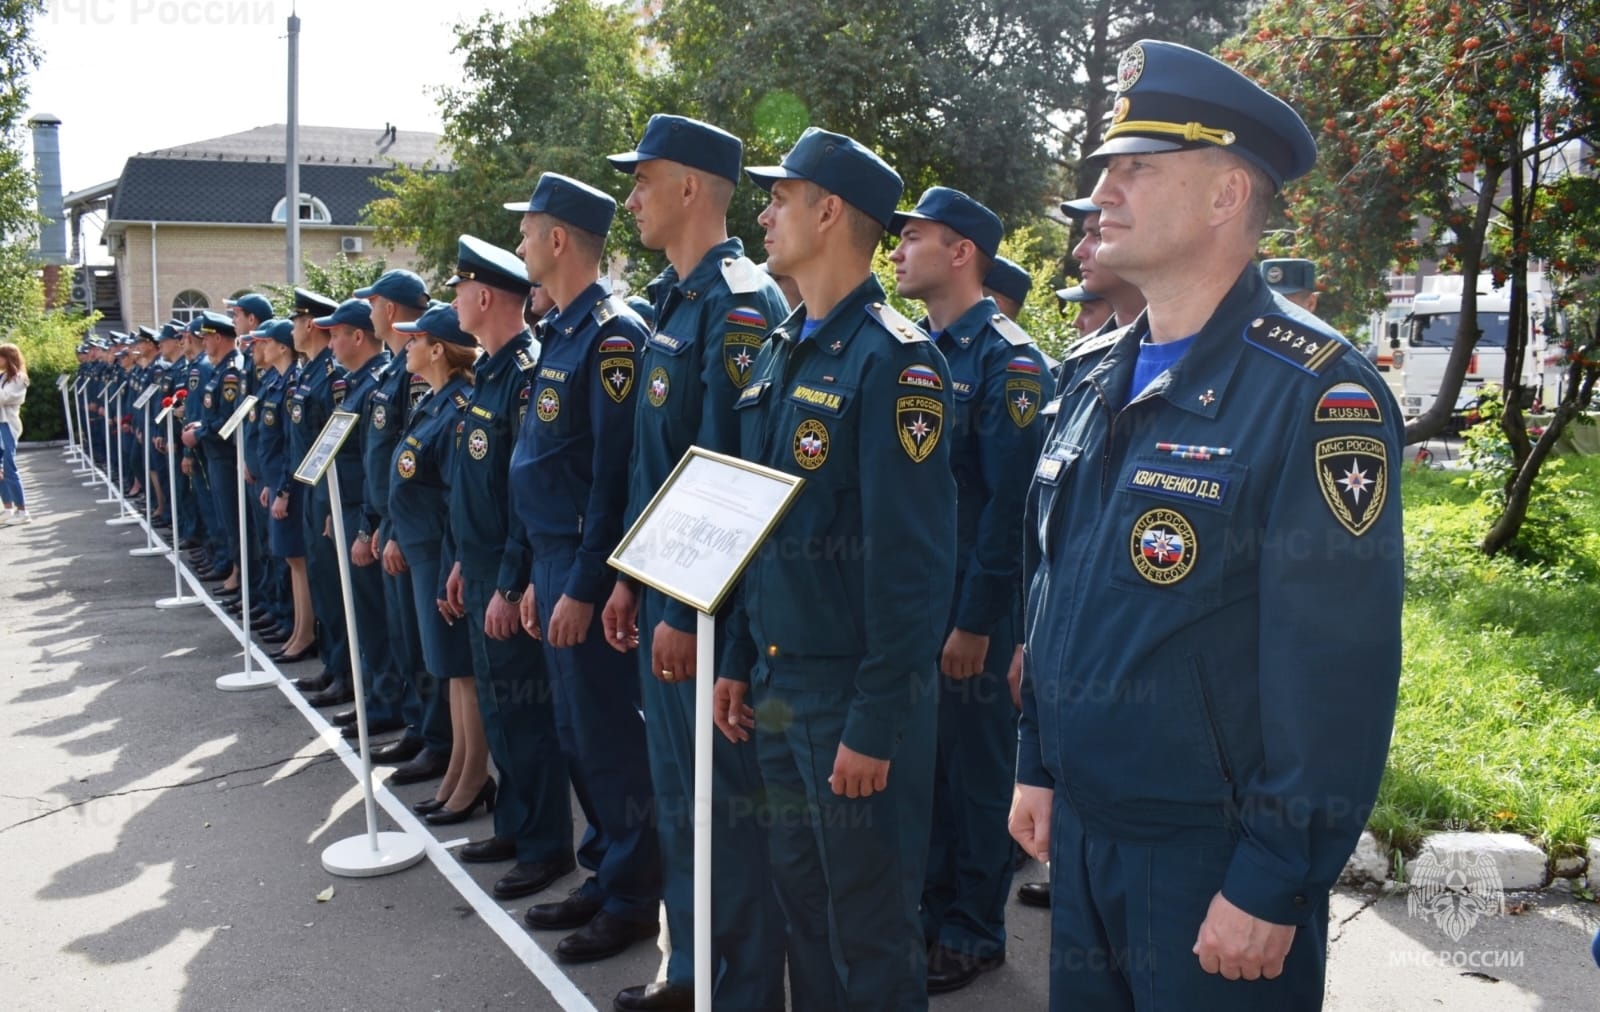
[[285, 538], [443, 355]]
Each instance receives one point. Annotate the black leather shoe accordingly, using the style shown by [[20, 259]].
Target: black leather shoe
[[273, 637], [451, 816], [188, 544], [1034, 894], [489, 851], [949, 970], [658, 997], [338, 695], [575, 911], [427, 765], [528, 878], [313, 683], [388, 725], [602, 937], [343, 718], [398, 751]]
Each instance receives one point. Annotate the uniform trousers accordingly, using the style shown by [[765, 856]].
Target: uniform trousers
[[534, 806], [1124, 917], [849, 871]]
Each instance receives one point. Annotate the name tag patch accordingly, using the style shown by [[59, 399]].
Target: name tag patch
[[829, 401], [1209, 490]]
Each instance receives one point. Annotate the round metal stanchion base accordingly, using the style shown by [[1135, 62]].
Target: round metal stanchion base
[[122, 521], [246, 681], [354, 857], [149, 553], [176, 602]]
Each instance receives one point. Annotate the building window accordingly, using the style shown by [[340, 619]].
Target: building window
[[312, 210], [188, 304]]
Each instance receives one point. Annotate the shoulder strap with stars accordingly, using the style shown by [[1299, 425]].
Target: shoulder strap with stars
[[1010, 330], [895, 322], [608, 309], [741, 275], [525, 360], [1295, 343]]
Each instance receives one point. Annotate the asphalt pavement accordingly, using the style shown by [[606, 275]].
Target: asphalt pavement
[[160, 840]]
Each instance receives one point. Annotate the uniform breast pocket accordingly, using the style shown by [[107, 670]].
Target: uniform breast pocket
[[553, 406], [1181, 527], [816, 421]]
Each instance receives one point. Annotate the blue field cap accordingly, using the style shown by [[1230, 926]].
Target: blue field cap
[[351, 313], [213, 322], [1079, 209], [404, 288], [687, 142], [841, 166], [309, 303], [1010, 279], [1288, 276], [569, 200], [281, 331], [440, 323], [254, 304], [956, 210], [1077, 293], [1173, 98], [488, 264]]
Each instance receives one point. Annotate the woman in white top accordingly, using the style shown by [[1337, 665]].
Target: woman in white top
[[13, 391]]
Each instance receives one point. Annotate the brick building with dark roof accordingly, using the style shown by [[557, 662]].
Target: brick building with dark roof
[[193, 225]]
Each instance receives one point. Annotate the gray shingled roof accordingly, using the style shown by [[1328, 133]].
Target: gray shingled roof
[[320, 145], [240, 178]]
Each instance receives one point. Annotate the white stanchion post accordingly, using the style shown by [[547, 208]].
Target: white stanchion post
[[105, 475], [66, 414], [372, 853], [125, 513], [244, 681], [178, 599], [82, 406], [152, 545], [705, 675]]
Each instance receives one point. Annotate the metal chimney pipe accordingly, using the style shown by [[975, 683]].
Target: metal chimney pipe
[[47, 173]]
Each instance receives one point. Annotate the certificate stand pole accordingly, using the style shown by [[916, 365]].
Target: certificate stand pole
[[244, 681], [81, 403], [109, 482], [178, 598], [372, 853], [125, 513], [704, 668], [152, 544], [72, 435]]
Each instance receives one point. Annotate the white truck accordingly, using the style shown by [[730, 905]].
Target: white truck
[[1429, 329]]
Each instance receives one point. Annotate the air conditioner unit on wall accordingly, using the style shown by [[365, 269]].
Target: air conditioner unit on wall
[[350, 244]]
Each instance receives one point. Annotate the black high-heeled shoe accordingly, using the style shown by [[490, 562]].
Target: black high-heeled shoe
[[427, 806], [447, 817], [284, 657]]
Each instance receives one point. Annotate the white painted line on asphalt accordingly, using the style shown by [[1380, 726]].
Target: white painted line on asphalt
[[515, 937]]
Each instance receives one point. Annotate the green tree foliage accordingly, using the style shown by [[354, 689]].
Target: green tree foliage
[[1437, 123], [551, 92], [336, 279], [45, 337]]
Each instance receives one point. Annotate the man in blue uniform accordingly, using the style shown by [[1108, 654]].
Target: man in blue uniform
[[569, 487], [712, 308], [486, 557], [398, 296], [998, 382], [219, 395], [846, 605], [318, 392], [363, 358], [1202, 739], [268, 576]]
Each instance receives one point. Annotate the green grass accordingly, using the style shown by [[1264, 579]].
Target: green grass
[[1497, 727]]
